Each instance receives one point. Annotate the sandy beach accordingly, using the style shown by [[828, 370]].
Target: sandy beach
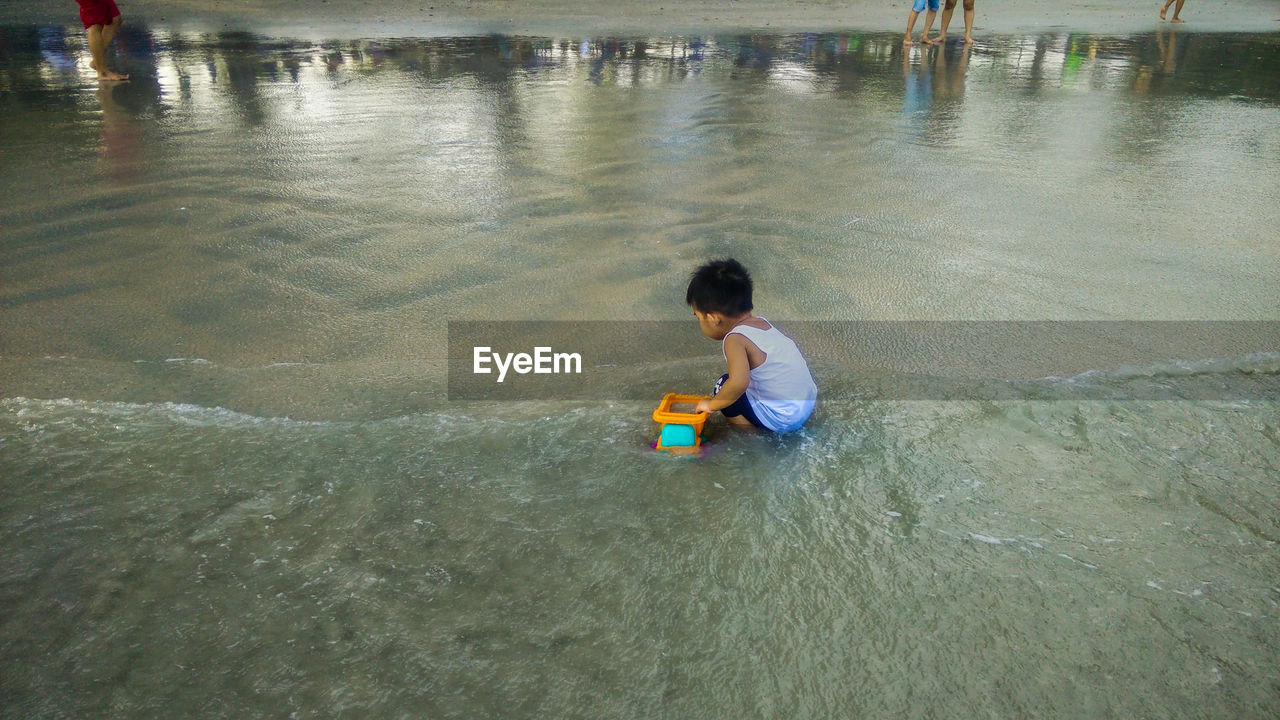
[[426, 18]]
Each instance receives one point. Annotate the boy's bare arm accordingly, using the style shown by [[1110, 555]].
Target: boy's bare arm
[[735, 352]]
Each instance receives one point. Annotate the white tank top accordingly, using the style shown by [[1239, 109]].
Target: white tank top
[[782, 391]]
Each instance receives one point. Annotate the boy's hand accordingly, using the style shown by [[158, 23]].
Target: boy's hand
[[704, 405]]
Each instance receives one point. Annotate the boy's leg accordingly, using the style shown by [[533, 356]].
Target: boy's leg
[[1177, 9], [97, 48], [109, 31], [968, 21], [740, 413], [1165, 9], [947, 9], [928, 25], [911, 23]]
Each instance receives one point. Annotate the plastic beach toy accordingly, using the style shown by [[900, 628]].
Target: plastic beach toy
[[681, 432]]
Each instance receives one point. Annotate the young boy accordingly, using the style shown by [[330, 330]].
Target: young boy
[[101, 19], [768, 384]]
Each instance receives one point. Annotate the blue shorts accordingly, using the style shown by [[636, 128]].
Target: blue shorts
[[919, 5], [741, 406]]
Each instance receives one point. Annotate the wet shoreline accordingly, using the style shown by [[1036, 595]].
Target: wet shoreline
[[260, 287], [447, 18]]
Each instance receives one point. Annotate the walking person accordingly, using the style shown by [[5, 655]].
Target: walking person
[[101, 20], [1176, 10]]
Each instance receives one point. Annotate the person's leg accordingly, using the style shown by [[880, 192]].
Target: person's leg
[[1177, 9], [946, 20], [109, 31], [928, 25], [1165, 9], [99, 37], [740, 413], [968, 21], [911, 23], [97, 48], [101, 19]]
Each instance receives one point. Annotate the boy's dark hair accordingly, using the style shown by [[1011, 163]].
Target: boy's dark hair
[[720, 286]]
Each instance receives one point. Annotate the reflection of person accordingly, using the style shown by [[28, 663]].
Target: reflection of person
[[916, 8], [768, 385], [949, 83], [119, 137], [946, 20], [1168, 51], [1176, 10], [918, 86], [101, 19]]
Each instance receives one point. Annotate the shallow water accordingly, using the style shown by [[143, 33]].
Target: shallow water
[[233, 482]]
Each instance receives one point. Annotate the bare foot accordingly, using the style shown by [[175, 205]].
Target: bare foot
[[940, 39], [929, 40], [1163, 10], [968, 40], [907, 40], [107, 75], [1175, 19]]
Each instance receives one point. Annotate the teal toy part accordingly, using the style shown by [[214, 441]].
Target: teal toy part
[[674, 435]]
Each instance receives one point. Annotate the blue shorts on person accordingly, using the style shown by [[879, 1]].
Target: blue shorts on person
[[919, 5], [741, 406]]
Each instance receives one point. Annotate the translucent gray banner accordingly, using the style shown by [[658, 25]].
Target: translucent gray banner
[[909, 360]]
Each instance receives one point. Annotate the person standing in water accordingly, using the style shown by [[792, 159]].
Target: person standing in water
[[1176, 10], [101, 20], [916, 8], [968, 21]]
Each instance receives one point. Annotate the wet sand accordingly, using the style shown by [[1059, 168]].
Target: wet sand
[[375, 18]]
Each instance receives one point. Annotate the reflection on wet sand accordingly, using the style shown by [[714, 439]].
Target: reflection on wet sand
[[119, 134], [246, 60], [933, 97], [316, 194]]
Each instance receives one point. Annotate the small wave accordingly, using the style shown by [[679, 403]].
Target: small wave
[[514, 417], [1252, 376], [204, 362], [192, 414], [1260, 363], [24, 407]]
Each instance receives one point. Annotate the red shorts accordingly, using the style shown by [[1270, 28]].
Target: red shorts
[[97, 12]]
